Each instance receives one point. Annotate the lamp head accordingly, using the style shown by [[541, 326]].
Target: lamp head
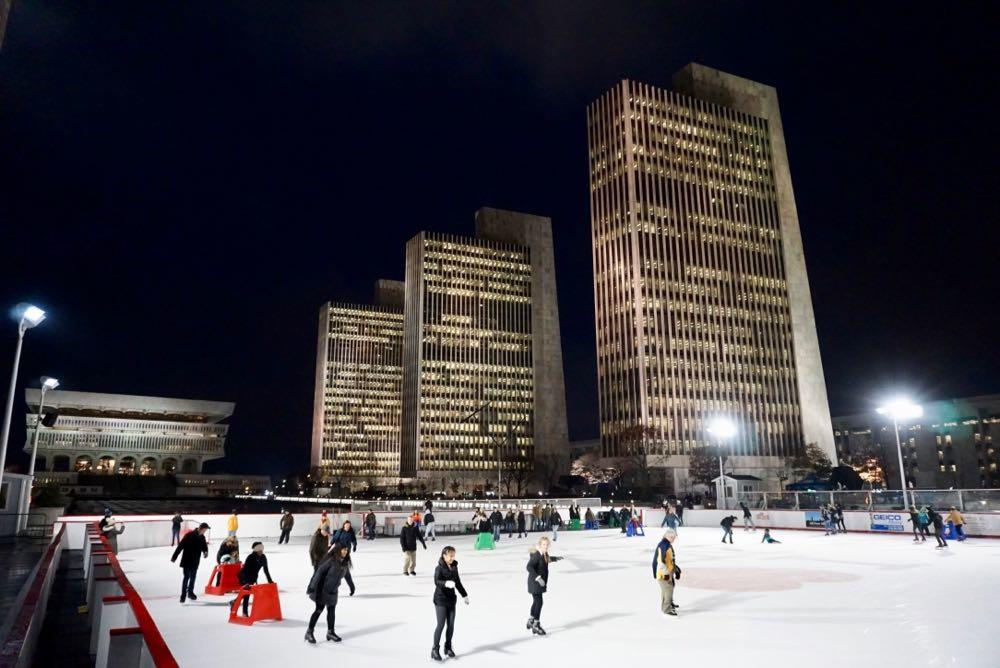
[[721, 427], [901, 409], [29, 315], [49, 383]]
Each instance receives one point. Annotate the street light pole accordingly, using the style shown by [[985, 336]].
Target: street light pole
[[47, 384], [29, 317], [722, 479], [899, 453], [901, 409]]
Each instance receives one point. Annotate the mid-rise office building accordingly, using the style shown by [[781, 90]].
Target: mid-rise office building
[[125, 434], [701, 294], [476, 381], [952, 445], [359, 376]]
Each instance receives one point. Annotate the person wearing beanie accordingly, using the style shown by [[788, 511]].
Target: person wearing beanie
[[324, 588], [252, 566], [446, 583], [666, 571]]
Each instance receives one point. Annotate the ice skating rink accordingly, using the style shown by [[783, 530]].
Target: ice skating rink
[[811, 601]]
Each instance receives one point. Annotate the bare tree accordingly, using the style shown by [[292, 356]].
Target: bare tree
[[812, 459], [703, 464], [638, 444]]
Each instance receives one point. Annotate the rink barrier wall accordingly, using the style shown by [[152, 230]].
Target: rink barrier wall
[[22, 638], [979, 525]]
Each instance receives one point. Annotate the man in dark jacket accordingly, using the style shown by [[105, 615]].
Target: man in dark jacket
[[747, 518], [252, 566], [191, 548], [496, 522], [345, 536], [520, 524], [285, 524], [938, 521], [319, 545], [371, 521], [556, 521], [727, 528], [408, 537], [175, 529], [625, 515], [446, 581]]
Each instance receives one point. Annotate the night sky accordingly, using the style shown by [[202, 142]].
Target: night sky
[[182, 185]]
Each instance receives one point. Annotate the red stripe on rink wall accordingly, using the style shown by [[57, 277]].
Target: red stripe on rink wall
[[158, 650]]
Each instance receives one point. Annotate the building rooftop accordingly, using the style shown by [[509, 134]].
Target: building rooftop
[[128, 406]]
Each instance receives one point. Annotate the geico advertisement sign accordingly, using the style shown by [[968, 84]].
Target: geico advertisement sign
[[888, 522]]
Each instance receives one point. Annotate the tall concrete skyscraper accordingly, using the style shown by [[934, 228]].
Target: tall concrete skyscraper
[[701, 294], [359, 378], [481, 334], [451, 369]]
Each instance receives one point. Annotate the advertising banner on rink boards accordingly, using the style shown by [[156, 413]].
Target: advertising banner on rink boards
[[889, 521], [814, 519]]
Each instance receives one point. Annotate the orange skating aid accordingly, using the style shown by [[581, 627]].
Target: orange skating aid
[[230, 581], [264, 604]]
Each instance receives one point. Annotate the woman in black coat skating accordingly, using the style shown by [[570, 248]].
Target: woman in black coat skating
[[446, 582], [520, 524], [538, 582], [323, 588]]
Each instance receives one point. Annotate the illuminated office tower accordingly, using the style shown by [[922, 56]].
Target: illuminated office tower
[[359, 375], [482, 333], [701, 295]]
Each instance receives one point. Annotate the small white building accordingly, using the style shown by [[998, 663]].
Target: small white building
[[730, 485]]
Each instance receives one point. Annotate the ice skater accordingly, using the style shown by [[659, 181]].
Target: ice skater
[[538, 582], [925, 520], [370, 523], [233, 523], [520, 524], [956, 519], [285, 525], [666, 571], [252, 566], [727, 528], [324, 588], [840, 518], [345, 536], [915, 521], [508, 521], [175, 528], [446, 582], [190, 547], [319, 545], [938, 523], [496, 521], [556, 522], [408, 537], [747, 518], [429, 531], [767, 537]]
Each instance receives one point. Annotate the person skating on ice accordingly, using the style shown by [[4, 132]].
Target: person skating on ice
[[666, 571], [624, 517], [408, 537], [319, 545], [233, 523], [496, 522], [915, 521], [192, 548], [538, 582], [446, 583], [429, 530], [767, 537], [520, 524], [555, 519], [956, 518], [175, 528], [285, 524], [252, 566], [345, 536], [747, 517], [938, 523], [727, 528], [840, 518], [324, 588], [508, 521], [370, 523]]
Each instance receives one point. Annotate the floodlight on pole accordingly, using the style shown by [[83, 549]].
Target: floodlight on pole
[[723, 429], [28, 316], [901, 409], [48, 383]]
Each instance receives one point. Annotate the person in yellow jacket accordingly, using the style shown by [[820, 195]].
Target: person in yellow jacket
[[232, 524], [666, 572], [956, 518]]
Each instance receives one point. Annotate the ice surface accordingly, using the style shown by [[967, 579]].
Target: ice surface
[[811, 601]]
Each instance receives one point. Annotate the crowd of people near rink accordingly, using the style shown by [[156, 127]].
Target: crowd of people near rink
[[330, 552]]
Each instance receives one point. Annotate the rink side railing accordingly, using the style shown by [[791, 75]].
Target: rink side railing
[[19, 645], [966, 500]]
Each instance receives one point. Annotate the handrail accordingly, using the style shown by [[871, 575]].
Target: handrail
[[14, 642], [158, 650]]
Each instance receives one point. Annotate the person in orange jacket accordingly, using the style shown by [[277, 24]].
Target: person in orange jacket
[[956, 518]]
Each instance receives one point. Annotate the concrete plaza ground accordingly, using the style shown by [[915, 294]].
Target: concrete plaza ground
[[812, 601]]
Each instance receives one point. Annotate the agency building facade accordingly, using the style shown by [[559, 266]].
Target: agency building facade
[[954, 444], [125, 434], [701, 295], [481, 375]]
